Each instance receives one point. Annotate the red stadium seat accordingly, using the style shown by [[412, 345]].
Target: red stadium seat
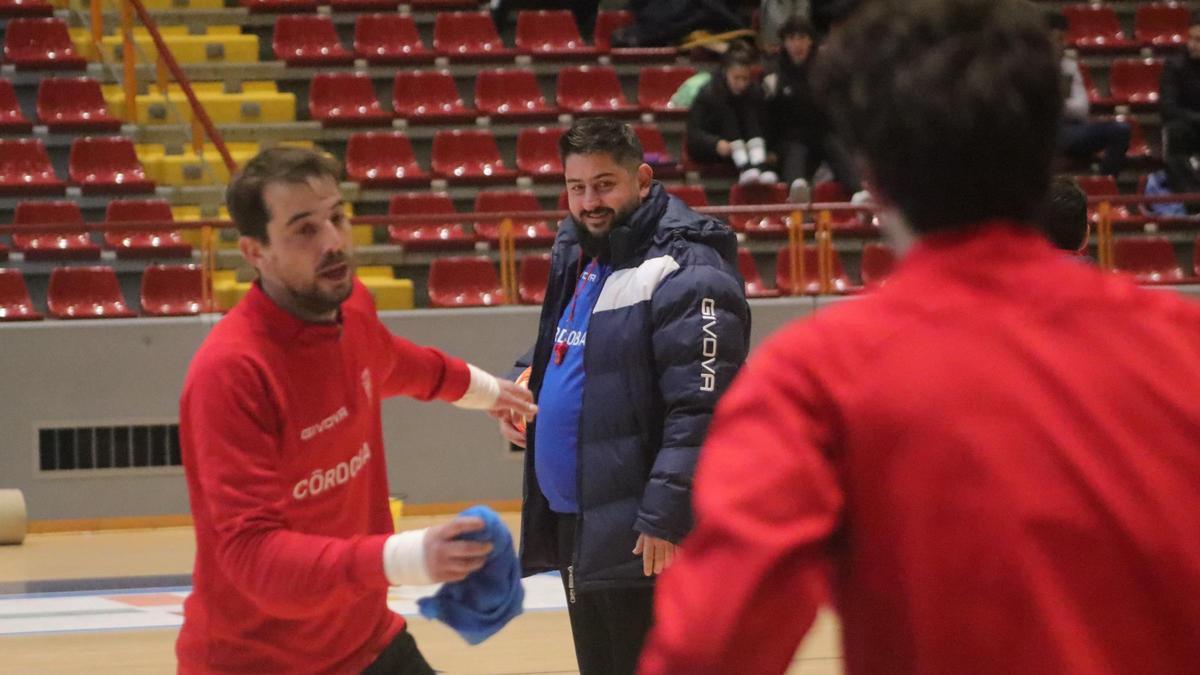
[[3, 253], [389, 38], [66, 244], [12, 118], [592, 89], [810, 282], [420, 5], [878, 261], [1148, 259], [279, 6], [526, 232], [427, 235], [345, 99], [1095, 27], [85, 293], [692, 195], [428, 97], [609, 21], [74, 104], [1095, 98], [140, 243], [107, 164], [343, 6], [175, 290], [755, 287], [464, 282], [511, 93], [469, 156], [1135, 81], [537, 153], [723, 170], [655, 152], [1102, 186], [1161, 24], [40, 44], [383, 159], [827, 192], [25, 168], [550, 35], [656, 86], [308, 40], [15, 304], [11, 8], [764, 224], [532, 278], [468, 36]]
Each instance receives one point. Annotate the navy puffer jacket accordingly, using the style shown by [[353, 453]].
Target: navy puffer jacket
[[669, 331]]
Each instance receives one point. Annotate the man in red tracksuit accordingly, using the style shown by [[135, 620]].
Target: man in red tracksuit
[[283, 449], [995, 460]]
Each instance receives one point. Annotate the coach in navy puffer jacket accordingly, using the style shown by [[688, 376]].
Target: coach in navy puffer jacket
[[650, 388]]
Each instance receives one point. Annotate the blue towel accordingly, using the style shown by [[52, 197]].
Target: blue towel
[[480, 605]]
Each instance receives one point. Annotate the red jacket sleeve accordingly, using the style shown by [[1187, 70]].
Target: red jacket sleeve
[[767, 501], [232, 424]]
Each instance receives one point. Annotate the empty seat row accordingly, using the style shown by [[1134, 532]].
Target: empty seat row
[[63, 104], [281, 6], [385, 159], [307, 40], [432, 97], [72, 242], [1131, 82], [1096, 27], [94, 293], [95, 165]]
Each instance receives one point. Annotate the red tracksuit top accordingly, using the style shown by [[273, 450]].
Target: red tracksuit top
[[283, 450], [998, 457]]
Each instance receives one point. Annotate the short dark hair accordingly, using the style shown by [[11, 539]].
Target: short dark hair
[[796, 25], [244, 196], [1063, 216], [954, 104], [739, 53], [601, 136]]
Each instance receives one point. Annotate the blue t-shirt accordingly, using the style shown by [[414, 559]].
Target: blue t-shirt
[[560, 398]]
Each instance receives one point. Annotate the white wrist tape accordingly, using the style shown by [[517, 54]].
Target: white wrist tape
[[482, 392], [404, 559]]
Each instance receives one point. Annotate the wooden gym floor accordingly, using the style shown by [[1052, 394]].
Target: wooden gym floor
[[34, 640]]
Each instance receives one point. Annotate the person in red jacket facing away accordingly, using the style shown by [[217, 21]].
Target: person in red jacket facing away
[[995, 460], [283, 449]]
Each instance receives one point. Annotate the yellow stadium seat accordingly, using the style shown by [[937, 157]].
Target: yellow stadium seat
[[390, 293], [227, 290], [375, 272], [208, 48]]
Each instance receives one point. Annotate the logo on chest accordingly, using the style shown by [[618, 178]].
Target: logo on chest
[[308, 433]]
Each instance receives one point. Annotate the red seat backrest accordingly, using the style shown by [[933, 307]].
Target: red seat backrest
[[607, 22], [508, 90], [15, 303], [368, 151], [654, 146], [1147, 258], [547, 30], [1161, 23], [419, 203], [299, 35], [589, 87], [77, 292], [810, 282], [70, 98], [383, 34], [10, 108], [692, 195], [127, 210], [532, 278], [465, 152], [1135, 80], [465, 33], [537, 150], [58, 211], [1092, 24], [464, 281], [105, 159], [417, 93], [21, 157], [657, 84], [878, 261], [40, 40], [342, 94]]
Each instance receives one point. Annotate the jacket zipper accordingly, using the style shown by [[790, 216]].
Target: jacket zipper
[[571, 584]]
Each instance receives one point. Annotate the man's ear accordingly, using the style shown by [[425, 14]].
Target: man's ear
[[645, 176], [252, 250]]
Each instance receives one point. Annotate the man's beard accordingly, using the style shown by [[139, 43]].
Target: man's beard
[[599, 245], [316, 301]]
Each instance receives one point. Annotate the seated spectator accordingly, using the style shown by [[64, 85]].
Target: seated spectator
[[584, 11], [800, 130], [1064, 216], [727, 120], [1180, 105], [661, 23], [1078, 137]]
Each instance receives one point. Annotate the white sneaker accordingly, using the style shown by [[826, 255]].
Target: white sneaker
[[799, 193], [750, 175], [768, 178]]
